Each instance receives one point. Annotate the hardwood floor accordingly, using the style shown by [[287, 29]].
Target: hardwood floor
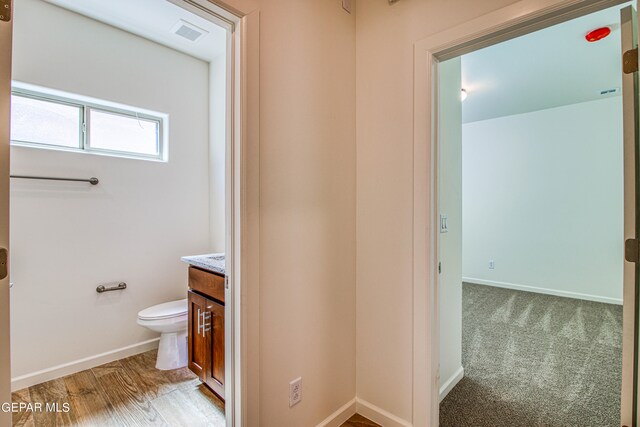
[[125, 393], [359, 421], [129, 393]]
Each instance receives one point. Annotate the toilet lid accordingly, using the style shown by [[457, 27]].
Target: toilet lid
[[166, 310]]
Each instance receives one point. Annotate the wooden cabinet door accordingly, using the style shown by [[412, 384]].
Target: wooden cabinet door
[[199, 338], [215, 327]]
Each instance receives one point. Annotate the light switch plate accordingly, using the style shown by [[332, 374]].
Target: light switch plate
[[443, 224], [347, 5]]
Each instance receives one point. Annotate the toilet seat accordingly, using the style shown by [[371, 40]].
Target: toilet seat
[[167, 310]]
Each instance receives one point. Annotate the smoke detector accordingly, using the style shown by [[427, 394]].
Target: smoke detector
[[597, 34], [188, 30]]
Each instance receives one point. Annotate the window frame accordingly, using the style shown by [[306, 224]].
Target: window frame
[[85, 106], [55, 100]]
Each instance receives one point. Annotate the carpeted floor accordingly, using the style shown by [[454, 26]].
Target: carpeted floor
[[536, 360]]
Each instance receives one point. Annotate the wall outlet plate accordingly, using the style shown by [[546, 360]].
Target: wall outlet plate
[[295, 391], [492, 264]]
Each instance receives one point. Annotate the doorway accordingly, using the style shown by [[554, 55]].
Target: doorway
[[150, 124], [531, 161], [505, 24], [235, 140]]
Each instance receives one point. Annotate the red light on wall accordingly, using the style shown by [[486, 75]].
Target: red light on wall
[[597, 34]]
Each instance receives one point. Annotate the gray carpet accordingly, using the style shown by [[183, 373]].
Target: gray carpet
[[536, 360]]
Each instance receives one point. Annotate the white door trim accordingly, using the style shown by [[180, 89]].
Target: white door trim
[[512, 21], [5, 101], [242, 210], [242, 186], [629, 308]]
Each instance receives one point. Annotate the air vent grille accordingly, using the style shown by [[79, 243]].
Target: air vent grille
[[188, 30]]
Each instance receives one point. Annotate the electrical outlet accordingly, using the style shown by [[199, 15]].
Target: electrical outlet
[[492, 264], [295, 391]]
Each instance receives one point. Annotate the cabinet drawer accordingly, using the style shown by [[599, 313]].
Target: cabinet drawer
[[207, 283]]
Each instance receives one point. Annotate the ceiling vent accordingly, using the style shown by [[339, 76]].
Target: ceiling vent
[[188, 30]]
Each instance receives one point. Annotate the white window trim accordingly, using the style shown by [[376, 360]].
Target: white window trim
[[86, 104]]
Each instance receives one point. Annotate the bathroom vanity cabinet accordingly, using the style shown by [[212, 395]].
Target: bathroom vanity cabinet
[[206, 327]]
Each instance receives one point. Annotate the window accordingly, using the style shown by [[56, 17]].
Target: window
[[121, 132], [45, 120], [42, 122]]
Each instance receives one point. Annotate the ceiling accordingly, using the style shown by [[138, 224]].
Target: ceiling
[[153, 20], [545, 69], [549, 68]]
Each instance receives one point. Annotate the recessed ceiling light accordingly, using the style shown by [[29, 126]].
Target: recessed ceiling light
[[463, 95]]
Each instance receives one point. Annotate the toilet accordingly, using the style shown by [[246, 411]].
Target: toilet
[[170, 319]]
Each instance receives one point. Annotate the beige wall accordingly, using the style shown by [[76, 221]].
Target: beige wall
[[307, 209], [384, 127]]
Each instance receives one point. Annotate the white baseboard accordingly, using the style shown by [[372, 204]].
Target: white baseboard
[[339, 417], [538, 290], [379, 415], [54, 372], [451, 383]]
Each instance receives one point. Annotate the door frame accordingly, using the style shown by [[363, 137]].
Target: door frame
[[6, 33], [242, 175], [517, 19], [242, 206]]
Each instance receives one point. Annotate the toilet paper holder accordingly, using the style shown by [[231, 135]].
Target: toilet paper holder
[[120, 286]]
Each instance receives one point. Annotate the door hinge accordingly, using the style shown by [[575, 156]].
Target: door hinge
[[226, 282], [439, 267], [630, 61], [5, 10], [632, 250], [4, 255]]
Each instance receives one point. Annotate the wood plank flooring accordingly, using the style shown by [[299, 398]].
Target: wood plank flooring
[[359, 421], [125, 393], [129, 393]]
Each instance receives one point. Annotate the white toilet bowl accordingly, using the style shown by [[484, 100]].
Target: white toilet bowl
[[170, 319]]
